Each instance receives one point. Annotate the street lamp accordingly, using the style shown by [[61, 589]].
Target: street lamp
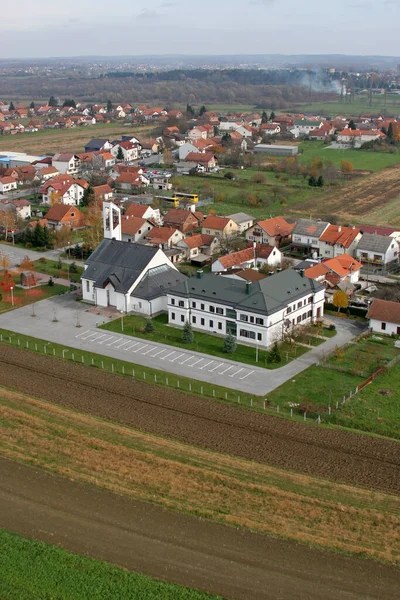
[[122, 321], [12, 295]]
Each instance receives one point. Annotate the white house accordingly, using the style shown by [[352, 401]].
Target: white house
[[129, 151], [249, 258], [144, 211], [186, 149], [377, 250], [271, 231], [304, 126], [256, 313], [64, 192], [198, 133], [66, 162], [384, 317], [306, 234], [242, 220], [338, 239], [134, 229], [7, 184], [21, 207], [357, 137]]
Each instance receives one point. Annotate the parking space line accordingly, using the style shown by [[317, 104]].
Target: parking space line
[[186, 359], [176, 357], [123, 344], [132, 345], [140, 348], [115, 341], [226, 370], [195, 363], [149, 350], [108, 337], [159, 352], [92, 334], [247, 374], [83, 333], [166, 356], [94, 337], [206, 365], [214, 368], [235, 373]]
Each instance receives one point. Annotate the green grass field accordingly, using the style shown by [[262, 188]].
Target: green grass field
[[32, 570], [207, 344], [361, 159], [50, 267], [355, 109], [22, 297]]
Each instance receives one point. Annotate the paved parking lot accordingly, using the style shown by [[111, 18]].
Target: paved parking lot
[[159, 355]]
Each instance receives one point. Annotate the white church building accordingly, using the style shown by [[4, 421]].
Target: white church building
[[127, 276]]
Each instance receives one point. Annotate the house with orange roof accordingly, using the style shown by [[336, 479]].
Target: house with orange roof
[[199, 247], [384, 317], [342, 271], [7, 184], [249, 258], [134, 229], [182, 219], [144, 211], [129, 151], [66, 162], [103, 192], [338, 239], [207, 160], [48, 173], [164, 237], [129, 181], [63, 189], [197, 133], [61, 215], [221, 227], [274, 232], [357, 137]]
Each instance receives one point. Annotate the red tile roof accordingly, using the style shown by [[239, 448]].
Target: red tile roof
[[384, 310], [276, 226], [337, 234], [59, 211], [199, 157], [201, 239], [131, 225], [236, 259], [160, 235], [101, 190], [215, 222], [136, 210]]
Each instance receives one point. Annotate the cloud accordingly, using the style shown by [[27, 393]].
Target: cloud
[[263, 2], [169, 4], [149, 14]]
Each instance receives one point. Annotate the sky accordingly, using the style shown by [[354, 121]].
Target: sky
[[134, 27]]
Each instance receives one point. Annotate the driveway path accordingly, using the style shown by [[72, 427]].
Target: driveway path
[[236, 564], [16, 254], [203, 367]]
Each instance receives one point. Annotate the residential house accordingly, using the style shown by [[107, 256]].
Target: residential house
[[103, 192], [129, 181], [322, 134], [61, 215], [198, 132], [270, 129], [377, 250], [134, 229], [248, 258], [153, 145], [357, 137], [7, 184], [164, 237], [305, 126], [129, 150], [306, 234], [160, 181], [63, 189], [274, 232], [107, 159], [384, 317], [129, 277], [144, 211], [98, 144], [21, 207], [256, 313], [48, 173], [186, 149], [199, 247], [221, 227], [337, 239], [242, 220], [207, 160], [184, 220], [246, 131], [66, 162], [342, 271]]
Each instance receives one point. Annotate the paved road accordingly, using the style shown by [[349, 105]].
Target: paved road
[[143, 537], [16, 254], [229, 373]]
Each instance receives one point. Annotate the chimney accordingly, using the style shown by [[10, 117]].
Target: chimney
[[301, 272], [199, 274], [248, 287], [339, 228], [254, 254]]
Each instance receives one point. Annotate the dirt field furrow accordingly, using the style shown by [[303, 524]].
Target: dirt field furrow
[[330, 453]]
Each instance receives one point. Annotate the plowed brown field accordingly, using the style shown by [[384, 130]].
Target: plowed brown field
[[330, 453], [363, 200]]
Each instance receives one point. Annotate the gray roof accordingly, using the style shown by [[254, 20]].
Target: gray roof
[[240, 217], [157, 282], [121, 263], [372, 242], [310, 227], [266, 296], [96, 143]]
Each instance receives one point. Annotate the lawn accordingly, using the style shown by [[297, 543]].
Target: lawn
[[365, 356], [207, 344], [22, 297], [361, 159], [187, 479], [50, 267], [35, 570], [355, 109]]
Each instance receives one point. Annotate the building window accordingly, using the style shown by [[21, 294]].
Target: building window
[[259, 321], [183, 318], [193, 319], [202, 321], [259, 337], [288, 310], [193, 304], [211, 323], [212, 309], [383, 326], [299, 319], [304, 317], [173, 301], [87, 286], [181, 303], [244, 318], [219, 325], [309, 314], [173, 316], [202, 306], [251, 319], [219, 311], [248, 334], [299, 304], [310, 300]]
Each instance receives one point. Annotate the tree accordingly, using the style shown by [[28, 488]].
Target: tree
[[38, 236], [264, 117], [88, 196], [109, 106], [53, 101], [149, 327], [32, 105], [390, 132], [27, 264], [120, 154], [274, 356], [312, 181], [202, 110], [352, 125], [320, 181], [69, 102], [5, 261], [187, 334], [11, 107], [340, 300], [62, 237], [272, 116], [259, 178], [346, 167], [7, 282], [229, 344], [7, 221]]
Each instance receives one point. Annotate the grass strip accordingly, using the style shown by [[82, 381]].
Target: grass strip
[[35, 570]]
